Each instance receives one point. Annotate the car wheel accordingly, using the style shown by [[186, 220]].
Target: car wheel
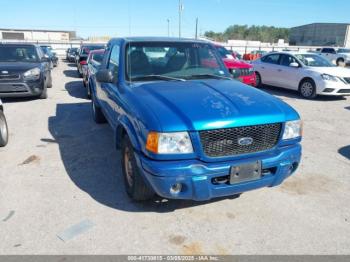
[[49, 85], [258, 79], [341, 62], [97, 113], [4, 136], [43, 94], [88, 90], [135, 186], [307, 89]]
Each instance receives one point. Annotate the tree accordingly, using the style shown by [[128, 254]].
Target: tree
[[255, 33]]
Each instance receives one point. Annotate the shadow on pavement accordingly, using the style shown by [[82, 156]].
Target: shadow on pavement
[[345, 151], [76, 89], [71, 73], [93, 164]]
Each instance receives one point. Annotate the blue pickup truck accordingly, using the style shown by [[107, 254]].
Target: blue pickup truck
[[185, 128]]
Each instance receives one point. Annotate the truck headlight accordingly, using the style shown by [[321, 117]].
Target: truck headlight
[[32, 74], [292, 129], [169, 143], [329, 77]]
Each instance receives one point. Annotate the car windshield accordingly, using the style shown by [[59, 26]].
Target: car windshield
[[170, 60], [46, 50], [86, 49], [314, 60], [10, 53], [224, 53]]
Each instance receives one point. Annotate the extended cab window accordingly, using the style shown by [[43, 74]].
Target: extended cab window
[[328, 50], [271, 59], [113, 63]]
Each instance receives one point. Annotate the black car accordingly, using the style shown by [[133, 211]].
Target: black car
[[71, 53], [24, 71], [4, 134], [83, 55], [50, 54]]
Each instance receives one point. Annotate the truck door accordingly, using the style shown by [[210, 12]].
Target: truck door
[[111, 90]]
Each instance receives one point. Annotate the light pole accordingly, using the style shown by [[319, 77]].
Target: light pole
[[168, 20], [180, 11]]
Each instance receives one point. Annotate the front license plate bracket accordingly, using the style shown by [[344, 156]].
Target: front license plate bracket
[[245, 172]]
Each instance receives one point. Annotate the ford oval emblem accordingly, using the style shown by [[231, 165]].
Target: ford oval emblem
[[245, 141]]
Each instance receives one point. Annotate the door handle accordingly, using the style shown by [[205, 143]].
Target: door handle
[[279, 70], [263, 67]]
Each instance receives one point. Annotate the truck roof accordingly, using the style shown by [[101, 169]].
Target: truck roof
[[157, 39]]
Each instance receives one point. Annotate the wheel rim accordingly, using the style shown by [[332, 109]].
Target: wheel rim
[[307, 89], [3, 129], [128, 167]]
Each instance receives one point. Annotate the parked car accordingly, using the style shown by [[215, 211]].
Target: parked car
[[4, 134], [51, 55], [339, 58], [83, 55], [93, 64], [71, 54], [256, 54], [186, 129], [24, 71], [309, 73], [240, 70]]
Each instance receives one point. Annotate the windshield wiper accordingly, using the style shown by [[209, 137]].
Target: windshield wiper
[[158, 77], [210, 76]]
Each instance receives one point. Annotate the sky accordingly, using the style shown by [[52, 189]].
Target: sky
[[149, 17]]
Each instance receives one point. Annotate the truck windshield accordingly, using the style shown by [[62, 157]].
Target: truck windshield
[[181, 60], [314, 60], [12, 53]]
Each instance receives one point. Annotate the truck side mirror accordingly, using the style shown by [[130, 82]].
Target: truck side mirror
[[105, 76]]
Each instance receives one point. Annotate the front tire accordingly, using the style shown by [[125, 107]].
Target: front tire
[[49, 85], [307, 89], [340, 62], [97, 113], [135, 186], [4, 136], [258, 79]]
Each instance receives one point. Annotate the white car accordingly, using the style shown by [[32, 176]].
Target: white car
[[339, 58], [309, 73]]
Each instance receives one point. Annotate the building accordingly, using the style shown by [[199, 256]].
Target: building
[[320, 34], [36, 35]]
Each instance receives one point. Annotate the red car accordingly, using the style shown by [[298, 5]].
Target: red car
[[93, 61], [239, 69]]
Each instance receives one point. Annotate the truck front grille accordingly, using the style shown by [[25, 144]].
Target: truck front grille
[[226, 142]]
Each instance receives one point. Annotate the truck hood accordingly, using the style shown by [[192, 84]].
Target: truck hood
[[234, 63], [334, 71], [210, 104], [17, 67]]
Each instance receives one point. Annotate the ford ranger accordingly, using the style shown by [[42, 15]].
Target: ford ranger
[[185, 128]]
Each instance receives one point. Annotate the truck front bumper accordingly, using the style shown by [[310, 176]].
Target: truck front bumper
[[197, 178]]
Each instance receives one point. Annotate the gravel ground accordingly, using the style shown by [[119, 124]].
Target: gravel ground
[[61, 169]]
